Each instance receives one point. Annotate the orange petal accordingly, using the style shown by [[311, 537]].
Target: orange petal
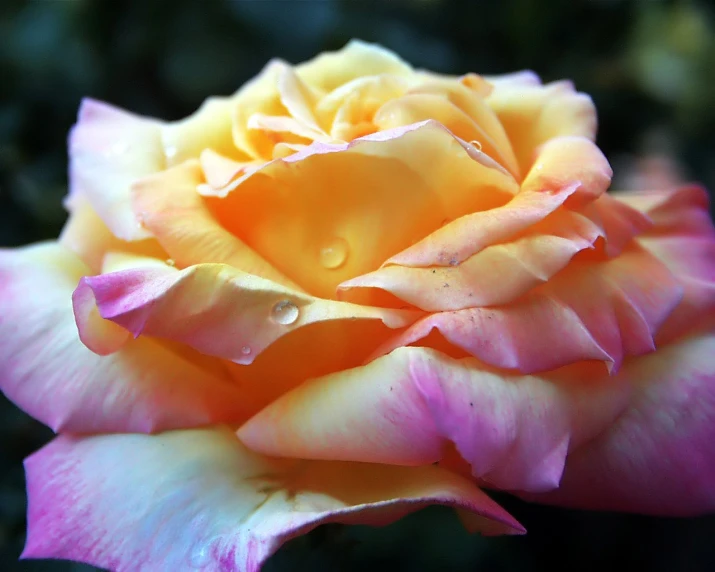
[[169, 205], [331, 212]]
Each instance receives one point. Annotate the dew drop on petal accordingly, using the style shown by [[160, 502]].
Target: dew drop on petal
[[245, 350], [334, 254], [170, 262], [284, 312], [476, 144]]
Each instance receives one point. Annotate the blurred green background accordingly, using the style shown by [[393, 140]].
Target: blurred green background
[[649, 65]]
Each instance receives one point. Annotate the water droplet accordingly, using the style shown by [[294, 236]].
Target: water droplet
[[539, 167], [141, 219], [245, 350], [334, 254], [171, 151], [284, 312], [476, 144], [170, 262]]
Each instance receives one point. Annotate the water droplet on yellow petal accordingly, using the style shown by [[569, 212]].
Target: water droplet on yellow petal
[[334, 254], [170, 262], [284, 312]]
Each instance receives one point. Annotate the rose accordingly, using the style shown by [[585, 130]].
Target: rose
[[364, 270]]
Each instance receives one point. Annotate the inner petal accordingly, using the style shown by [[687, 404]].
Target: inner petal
[[332, 212]]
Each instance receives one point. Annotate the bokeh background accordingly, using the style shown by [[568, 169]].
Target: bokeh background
[[649, 65]]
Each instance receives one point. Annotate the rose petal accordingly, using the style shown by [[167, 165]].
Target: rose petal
[[216, 308], [110, 149], [514, 79], [463, 113], [170, 207], [591, 310], [347, 111], [404, 408], [260, 95], [533, 114], [48, 372], [658, 457], [385, 191], [199, 499], [207, 128], [567, 160], [486, 258], [683, 238], [84, 222], [497, 274], [357, 59]]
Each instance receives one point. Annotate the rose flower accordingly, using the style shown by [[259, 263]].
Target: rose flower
[[350, 290]]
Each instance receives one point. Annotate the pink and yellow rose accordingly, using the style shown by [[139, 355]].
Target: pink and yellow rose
[[347, 291]]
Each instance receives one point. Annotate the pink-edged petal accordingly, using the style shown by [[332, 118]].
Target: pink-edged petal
[[532, 114], [169, 205], [387, 190], [591, 310], [458, 240], [47, 371], [658, 457], [216, 308], [620, 223], [109, 150], [683, 238], [407, 407], [200, 500], [497, 274]]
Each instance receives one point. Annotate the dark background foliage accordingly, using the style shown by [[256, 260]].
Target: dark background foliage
[[648, 64]]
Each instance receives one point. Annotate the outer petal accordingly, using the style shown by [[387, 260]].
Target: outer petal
[[386, 191], [591, 310], [658, 457], [200, 500], [48, 372], [406, 407], [533, 114], [215, 308], [682, 237], [110, 149]]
